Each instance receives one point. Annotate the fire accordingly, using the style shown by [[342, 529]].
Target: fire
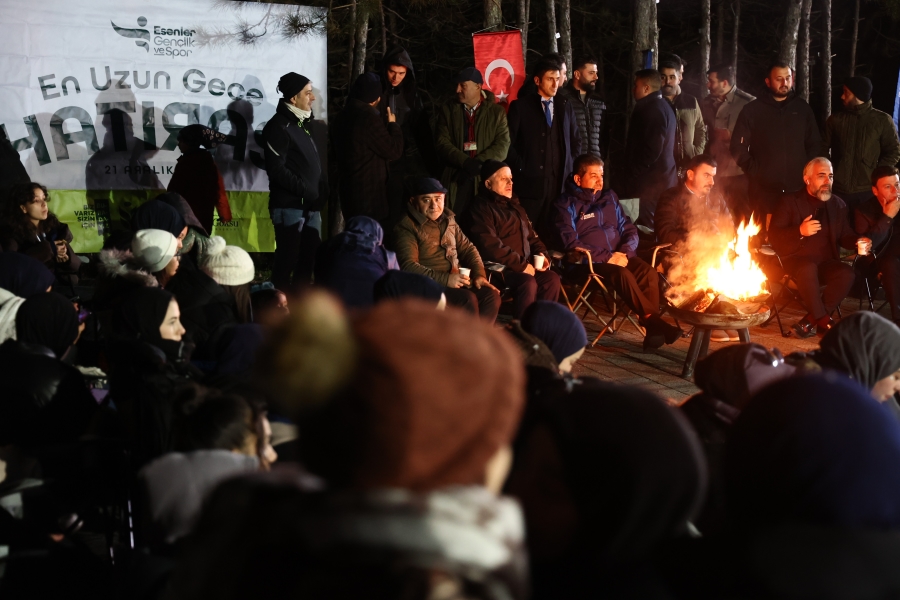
[[736, 275]]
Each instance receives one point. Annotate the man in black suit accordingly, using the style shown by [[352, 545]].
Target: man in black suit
[[806, 230], [649, 166], [544, 140]]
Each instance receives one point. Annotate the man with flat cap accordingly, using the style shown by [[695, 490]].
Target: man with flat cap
[[429, 242], [365, 145], [471, 128], [501, 231], [298, 188], [859, 138]]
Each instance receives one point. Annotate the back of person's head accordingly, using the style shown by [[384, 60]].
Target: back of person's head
[[815, 449], [227, 265], [207, 419], [724, 72], [48, 319], [184, 210], [394, 285], [364, 233], [583, 162], [864, 345], [414, 398], [154, 249], [649, 77], [590, 487], [155, 214], [557, 326], [23, 275], [737, 372]]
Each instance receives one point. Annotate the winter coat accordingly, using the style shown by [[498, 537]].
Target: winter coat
[[681, 213], [198, 180], [44, 250], [491, 138], [527, 156], [860, 138], [419, 156], [9, 306], [501, 231], [11, 169], [207, 310], [594, 221], [772, 142], [45, 401], [293, 166], [784, 231], [435, 248], [175, 486], [588, 115], [117, 275], [720, 121], [649, 165], [690, 136], [364, 146]]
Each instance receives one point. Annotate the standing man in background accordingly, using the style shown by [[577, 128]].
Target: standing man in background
[[298, 188], [690, 131], [720, 112], [588, 106], [858, 139]]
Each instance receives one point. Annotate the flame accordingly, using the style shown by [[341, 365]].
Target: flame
[[736, 275]]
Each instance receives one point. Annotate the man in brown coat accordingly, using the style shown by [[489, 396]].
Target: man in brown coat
[[430, 243]]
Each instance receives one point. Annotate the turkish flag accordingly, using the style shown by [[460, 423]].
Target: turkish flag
[[499, 58]]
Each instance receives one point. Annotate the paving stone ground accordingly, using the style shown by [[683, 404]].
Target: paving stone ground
[[619, 357]]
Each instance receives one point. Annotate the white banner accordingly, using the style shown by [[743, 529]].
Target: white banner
[[93, 93]]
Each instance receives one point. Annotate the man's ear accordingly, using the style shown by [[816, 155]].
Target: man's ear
[[577, 179], [537, 80]]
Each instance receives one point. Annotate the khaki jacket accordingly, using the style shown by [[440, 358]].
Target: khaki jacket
[[435, 248], [690, 139], [720, 123]]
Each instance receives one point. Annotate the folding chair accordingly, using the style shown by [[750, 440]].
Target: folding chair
[[867, 285]]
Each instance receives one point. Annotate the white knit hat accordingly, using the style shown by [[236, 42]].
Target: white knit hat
[[153, 248], [227, 265]]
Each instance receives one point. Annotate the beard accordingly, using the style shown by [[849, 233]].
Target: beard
[[824, 193], [667, 90], [781, 92], [588, 87]]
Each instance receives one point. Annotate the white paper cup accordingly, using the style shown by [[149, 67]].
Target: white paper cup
[[538, 261], [862, 247], [465, 272]]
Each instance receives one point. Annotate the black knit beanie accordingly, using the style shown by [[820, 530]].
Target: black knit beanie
[[290, 84], [860, 86]]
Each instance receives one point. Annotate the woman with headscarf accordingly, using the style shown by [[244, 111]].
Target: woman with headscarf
[[196, 176], [148, 368], [29, 227], [20, 278], [559, 328], [606, 476], [351, 262]]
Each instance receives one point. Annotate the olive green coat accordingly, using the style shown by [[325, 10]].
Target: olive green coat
[[859, 138]]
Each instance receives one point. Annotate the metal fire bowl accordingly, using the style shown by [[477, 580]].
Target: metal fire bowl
[[720, 321]]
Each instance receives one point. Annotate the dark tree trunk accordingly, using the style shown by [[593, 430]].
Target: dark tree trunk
[[734, 38], [654, 35], [720, 31], [551, 25], [522, 23], [803, 51], [854, 40], [351, 44], [642, 38], [363, 12], [788, 51], [565, 31], [705, 10], [493, 15], [384, 47], [826, 59]]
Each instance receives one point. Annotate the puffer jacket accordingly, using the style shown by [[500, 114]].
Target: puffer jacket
[[860, 138], [435, 248], [588, 117], [594, 221], [292, 163]]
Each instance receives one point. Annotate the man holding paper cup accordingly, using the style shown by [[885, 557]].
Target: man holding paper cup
[[429, 242], [501, 231]]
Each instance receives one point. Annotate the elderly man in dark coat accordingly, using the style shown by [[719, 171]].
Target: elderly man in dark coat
[[364, 146], [500, 229], [649, 167]]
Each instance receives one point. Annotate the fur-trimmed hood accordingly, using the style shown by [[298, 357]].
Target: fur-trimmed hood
[[120, 264]]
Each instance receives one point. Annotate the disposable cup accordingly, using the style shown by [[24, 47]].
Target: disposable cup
[[862, 247], [539, 261]]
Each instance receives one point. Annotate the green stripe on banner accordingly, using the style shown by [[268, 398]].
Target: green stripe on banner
[[93, 215]]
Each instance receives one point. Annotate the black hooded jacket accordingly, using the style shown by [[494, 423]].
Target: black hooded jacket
[[295, 172], [772, 142]]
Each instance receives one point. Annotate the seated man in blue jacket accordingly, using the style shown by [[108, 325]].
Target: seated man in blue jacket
[[591, 219]]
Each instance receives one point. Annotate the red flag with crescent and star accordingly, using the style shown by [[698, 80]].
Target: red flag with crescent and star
[[499, 58]]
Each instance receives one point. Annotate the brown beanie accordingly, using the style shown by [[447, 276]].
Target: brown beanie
[[434, 395]]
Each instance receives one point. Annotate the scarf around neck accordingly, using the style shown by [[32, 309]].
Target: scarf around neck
[[303, 115]]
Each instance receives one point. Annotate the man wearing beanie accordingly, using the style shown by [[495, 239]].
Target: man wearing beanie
[[429, 242], [498, 226], [471, 128], [858, 139], [297, 186], [365, 146]]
